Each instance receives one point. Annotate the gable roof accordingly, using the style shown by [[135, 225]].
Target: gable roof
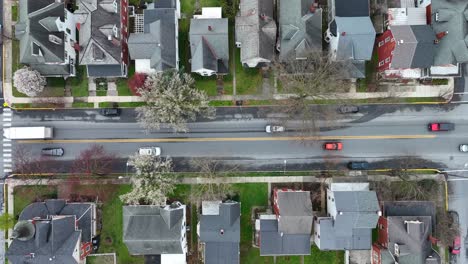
[[221, 234], [355, 8], [300, 29], [36, 28], [158, 42], [209, 44], [153, 230], [275, 243], [55, 235], [414, 46], [256, 30], [295, 212], [356, 37]]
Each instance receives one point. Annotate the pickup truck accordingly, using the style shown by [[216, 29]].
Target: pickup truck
[[441, 126]]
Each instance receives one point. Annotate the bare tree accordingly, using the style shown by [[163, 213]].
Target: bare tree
[[27, 163], [215, 187], [172, 101], [152, 182], [28, 81], [446, 228], [94, 160]]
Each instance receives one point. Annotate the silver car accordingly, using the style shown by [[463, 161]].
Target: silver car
[[274, 129], [150, 151], [464, 148]]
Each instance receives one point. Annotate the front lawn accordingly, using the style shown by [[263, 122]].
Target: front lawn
[[79, 83], [248, 80], [25, 195], [14, 12]]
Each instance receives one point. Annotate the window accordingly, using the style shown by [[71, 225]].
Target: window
[[387, 60], [381, 43], [68, 31], [393, 39], [381, 63], [393, 52], [387, 39]]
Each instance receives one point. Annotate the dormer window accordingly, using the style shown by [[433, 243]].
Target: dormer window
[[36, 50], [115, 6], [115, 29], [54, 39]]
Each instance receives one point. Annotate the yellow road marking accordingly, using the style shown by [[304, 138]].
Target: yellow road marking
[[221, 139]]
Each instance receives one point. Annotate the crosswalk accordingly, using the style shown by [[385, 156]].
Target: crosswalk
[[7, 152]]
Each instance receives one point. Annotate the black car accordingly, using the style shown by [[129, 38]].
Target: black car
[[346, 109], [358, 165], [110, 111], [52, 151]]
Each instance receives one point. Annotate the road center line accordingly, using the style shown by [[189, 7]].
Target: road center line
[[222, 139]]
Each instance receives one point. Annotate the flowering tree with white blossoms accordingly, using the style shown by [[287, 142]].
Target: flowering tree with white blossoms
[[29, 82]]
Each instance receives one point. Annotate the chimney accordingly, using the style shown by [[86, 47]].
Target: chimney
[[343, 33], [442, 34], [109, 37], [210, 28]]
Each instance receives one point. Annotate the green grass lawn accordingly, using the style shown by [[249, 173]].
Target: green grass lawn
[[82, 105], [125, 104], [122, 87], [79, 83], [14, 12], [25, 195], [205, 83], [101, 92], [55, 87], [361, 86], [210, 3], [16, 64], [248, 80]]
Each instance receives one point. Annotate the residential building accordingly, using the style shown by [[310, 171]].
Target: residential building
[[103, 31], [156, 230], [209, 42], [47, 36], [256, 32], [405, 234], [154, 45], [53, 231], [450, 24], [351, 34], [219, 232], [288, 231], [300, 29], [353, 212]]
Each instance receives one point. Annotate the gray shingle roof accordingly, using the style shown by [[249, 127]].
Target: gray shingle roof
[[98, 20], [355, 8], [35, 26], [256, 31], [221, 233], [152, 230], [295, 209], [300, 29], [55, 235], [356, 36], [275, 243], [209, 44], [158, 42], [414, 46]]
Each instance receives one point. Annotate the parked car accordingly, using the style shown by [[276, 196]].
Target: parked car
[[464, 148], [150, 151], [333, 146], [52, 151], [441, 127], [345, 109], [358, 165], [455, 247], [110, 111], [274, 129]]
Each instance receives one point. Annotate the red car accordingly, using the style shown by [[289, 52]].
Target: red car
[[441, 126], [333, 146]]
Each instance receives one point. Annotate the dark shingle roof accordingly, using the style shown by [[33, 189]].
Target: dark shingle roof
[[414, 46], [275, 243], [295, 209], [355, 8]]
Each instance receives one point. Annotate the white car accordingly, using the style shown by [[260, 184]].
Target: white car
[[150, 151], [464, 148], [274, 129]]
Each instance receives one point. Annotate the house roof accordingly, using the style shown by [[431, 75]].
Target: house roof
[[355, 8], [221, 233], [300, 29], [152, 230], [334, 237], [275, 243], [42, 43], [414, 46], [98, 40], [452, 17], [158, 42], [209, 44], [295, 212], [55, 234], [165, 4], [356, 37], [256, 30]]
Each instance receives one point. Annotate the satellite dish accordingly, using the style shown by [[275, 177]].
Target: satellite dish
[[23, 231]]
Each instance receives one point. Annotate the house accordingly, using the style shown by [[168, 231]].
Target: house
[[219, 232], [288, 231], [156, 230], [154, 45], [209, 42], [300, 31], [406, 51], [103, 31], [351, 34], [53, 231], [47, 37], [405, 234], [256, 32], [450, 24], [353, 212]]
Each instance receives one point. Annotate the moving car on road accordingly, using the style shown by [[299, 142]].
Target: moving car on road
[[150, 151], [52, 152], [333, 146], [274, 129], [455, 247], [345, 109], [441, 127], [464, 148], [358, 165]]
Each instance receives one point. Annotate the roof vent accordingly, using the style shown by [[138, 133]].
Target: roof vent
[[397, 250], [54, 39], [221, 232], [343, 33], [109, 37], [210, 28]]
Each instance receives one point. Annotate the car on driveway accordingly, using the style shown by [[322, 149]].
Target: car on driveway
[[52, 152], [274, 129], [455, 246], [346, 109], [110, 111], [332, 146], [149, 151], [358, 165], [464, 148], [441, 127]]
